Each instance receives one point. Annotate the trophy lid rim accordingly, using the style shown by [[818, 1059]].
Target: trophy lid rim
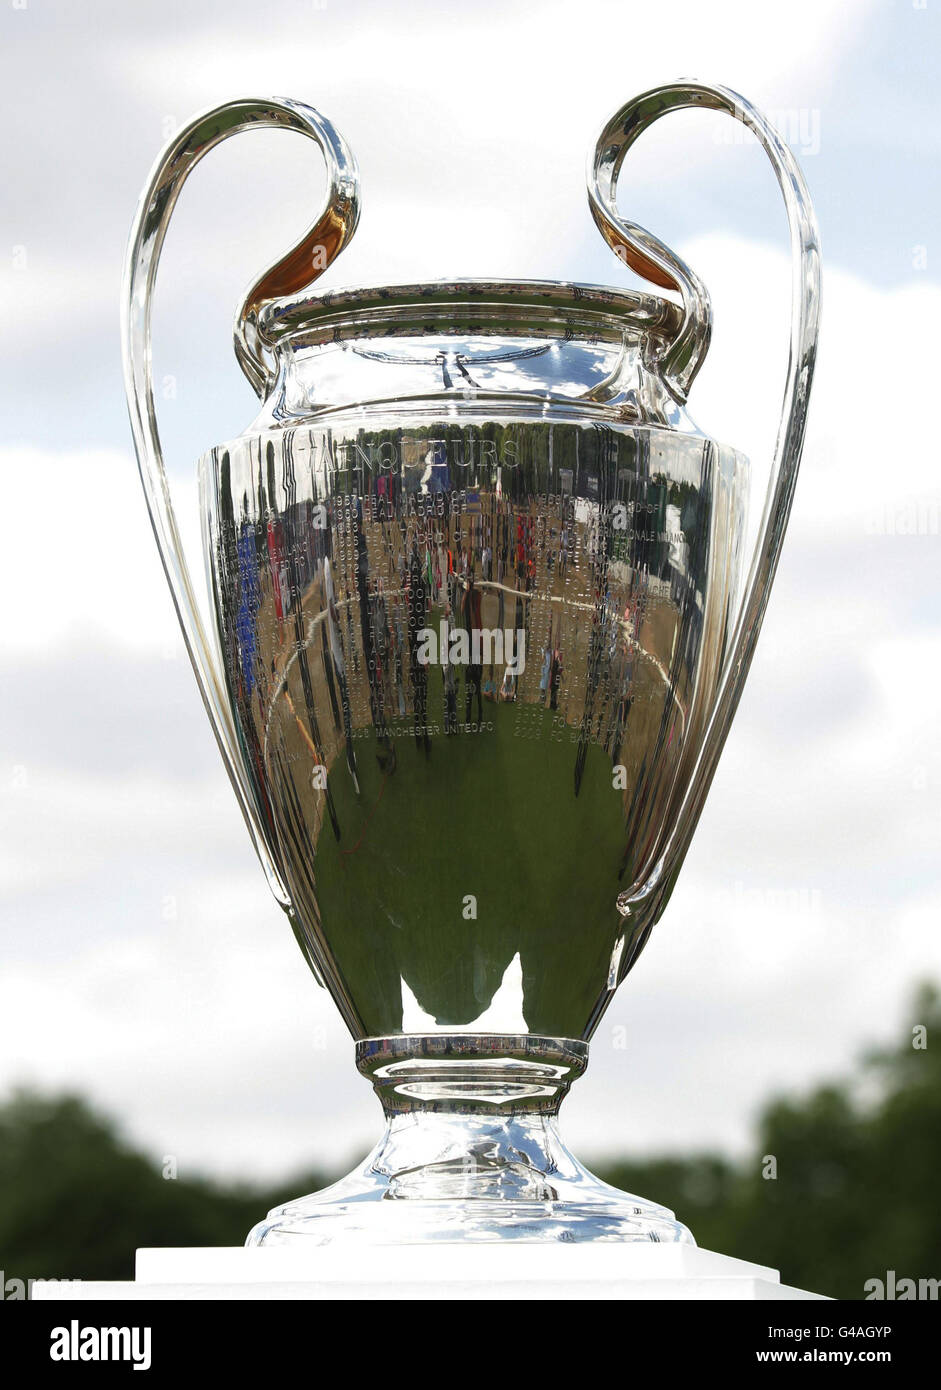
[[531, 304]]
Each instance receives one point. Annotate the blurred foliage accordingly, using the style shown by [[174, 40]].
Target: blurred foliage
[[856, 1188], [855, 1191], [76, 1200]]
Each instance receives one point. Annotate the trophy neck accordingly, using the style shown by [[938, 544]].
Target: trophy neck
[[488, 1074], [471, 1152], [503, 1158], [471, 1122]]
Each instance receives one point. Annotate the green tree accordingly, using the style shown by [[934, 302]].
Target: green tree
[[841, 1185], [76, 1200]]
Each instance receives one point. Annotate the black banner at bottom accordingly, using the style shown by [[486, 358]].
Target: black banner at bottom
[[161, 1338]]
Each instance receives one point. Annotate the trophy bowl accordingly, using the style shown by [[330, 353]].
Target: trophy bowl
[[480, 619]]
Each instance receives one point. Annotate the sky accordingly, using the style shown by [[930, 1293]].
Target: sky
[[142, 961]]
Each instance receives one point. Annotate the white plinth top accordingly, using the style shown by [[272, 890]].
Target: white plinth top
[[487, 1271]]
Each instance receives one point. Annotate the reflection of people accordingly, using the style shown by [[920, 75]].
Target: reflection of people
[[544, 676], [277, 567], [241, 601], [327, 660], [373, 637], [437, 477], [249, 598], [418, 672], [501, 597], [339, 666], [398, 640], [447, 671], [470, 613], [622, 707], [555, 678]]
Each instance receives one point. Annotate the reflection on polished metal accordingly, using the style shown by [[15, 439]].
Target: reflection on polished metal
[[481, 619]]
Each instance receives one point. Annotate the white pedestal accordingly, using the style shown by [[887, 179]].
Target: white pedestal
[[488, 1271]]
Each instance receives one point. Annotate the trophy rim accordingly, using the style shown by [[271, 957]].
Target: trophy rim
[[526, 307]]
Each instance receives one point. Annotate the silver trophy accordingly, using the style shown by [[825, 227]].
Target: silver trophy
[[481, 618]]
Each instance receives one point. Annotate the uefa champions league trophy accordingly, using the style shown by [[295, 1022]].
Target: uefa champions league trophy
[[480, 621]]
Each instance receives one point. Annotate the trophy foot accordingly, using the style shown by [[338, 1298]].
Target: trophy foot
[[471, 1152]]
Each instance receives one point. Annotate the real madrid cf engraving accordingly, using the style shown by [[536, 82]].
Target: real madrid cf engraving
[[481, 618]]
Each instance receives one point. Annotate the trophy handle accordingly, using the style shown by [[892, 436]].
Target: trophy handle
[[321, 244], [648, 256]]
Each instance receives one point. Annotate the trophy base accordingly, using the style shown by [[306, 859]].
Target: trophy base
[[319, 1220], [470, 1153]]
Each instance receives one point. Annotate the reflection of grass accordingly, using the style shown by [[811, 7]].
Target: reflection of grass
[[494, 815]]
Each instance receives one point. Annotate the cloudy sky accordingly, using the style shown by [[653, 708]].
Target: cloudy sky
[[141, 959]]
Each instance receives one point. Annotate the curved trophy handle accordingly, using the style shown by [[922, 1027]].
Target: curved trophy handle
[[320, 245], [649, 257]]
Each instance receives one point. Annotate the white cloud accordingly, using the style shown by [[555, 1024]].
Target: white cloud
[[81, 568], [808, 903], [144, 960]]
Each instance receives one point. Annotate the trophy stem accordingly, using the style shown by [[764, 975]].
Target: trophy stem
[[471, 1151]]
